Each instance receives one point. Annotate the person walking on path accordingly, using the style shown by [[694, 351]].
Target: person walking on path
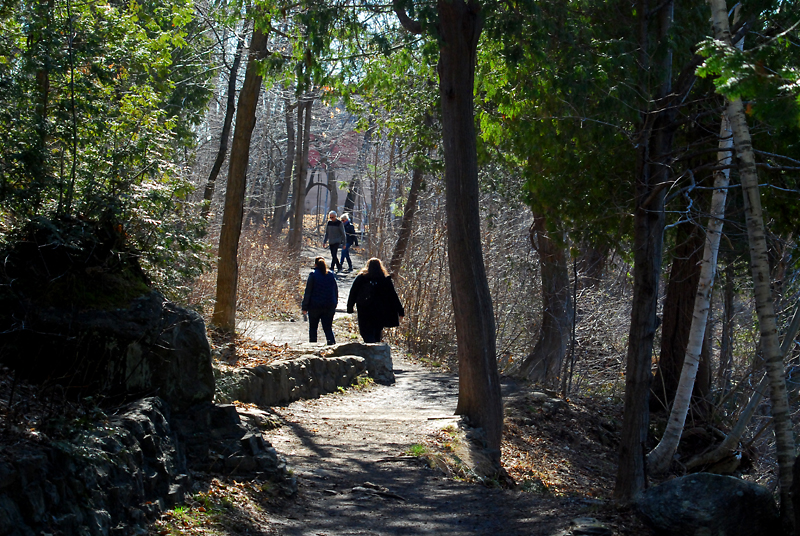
[[378, 305], [335, 236], [352, 240], [319, 301]]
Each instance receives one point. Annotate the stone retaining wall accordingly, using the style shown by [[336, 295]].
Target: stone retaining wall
[[307, 376]]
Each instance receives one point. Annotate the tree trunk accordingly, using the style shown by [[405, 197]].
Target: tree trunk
[[726, 344], [659, 458], [282, 197], [591, 263], [676, 318], [298, 202], [407, 224], [655, 144], [224, 316], [333, 188], [352, 189], [479, 382], [759, 265], [544, 363], [230, 107]]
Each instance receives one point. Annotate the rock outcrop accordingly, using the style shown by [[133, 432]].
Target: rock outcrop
[[108, 480], [705, 504], [113, 479]]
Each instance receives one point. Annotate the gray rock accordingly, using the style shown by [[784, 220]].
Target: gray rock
[[153, 346], [377, 355], [705, 504]]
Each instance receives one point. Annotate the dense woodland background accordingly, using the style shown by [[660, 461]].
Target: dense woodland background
[[215, 136]]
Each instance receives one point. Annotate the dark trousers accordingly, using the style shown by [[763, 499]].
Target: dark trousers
[[326, 316], [334, 259], [369, 331], [346, 256]]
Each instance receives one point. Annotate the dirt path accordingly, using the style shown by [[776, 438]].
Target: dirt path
[[349, 453], [348, 450]]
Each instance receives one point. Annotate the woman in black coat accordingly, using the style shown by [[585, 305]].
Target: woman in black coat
[[378, 305]]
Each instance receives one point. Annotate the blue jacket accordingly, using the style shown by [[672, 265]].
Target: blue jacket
[[321, 291]]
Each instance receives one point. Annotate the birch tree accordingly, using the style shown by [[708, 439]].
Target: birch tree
[[759, 266]]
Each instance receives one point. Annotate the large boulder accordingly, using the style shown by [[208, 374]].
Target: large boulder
[[152, 347], [377, 355], [77, 311], [705, 504]]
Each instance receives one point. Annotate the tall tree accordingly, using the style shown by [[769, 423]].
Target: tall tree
[[759, 266], [459, 27], [224, 316], [285, 184], [653, 173], [295, 238], [230, 108]]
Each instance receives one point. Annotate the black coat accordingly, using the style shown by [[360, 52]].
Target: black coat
[[376, 300]]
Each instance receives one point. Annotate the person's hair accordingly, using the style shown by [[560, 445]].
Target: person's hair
[[374, 269], [345, 216], [332, 213], [321, 265]]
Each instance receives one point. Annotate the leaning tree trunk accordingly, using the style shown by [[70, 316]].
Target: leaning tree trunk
[[230, 107], [296, 231], [479, 383], [659, 459], [279, 215], [544, 363], [224, 316], [407, 223], [759, 266], [651, 179]]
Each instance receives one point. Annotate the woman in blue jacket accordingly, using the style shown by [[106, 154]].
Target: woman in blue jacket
[[319, 300]]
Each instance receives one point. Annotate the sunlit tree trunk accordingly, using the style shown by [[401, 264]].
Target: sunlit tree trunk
[[759, 266], [407, 223], [301, 165], [230, 108], [224, 316], [282, 197]]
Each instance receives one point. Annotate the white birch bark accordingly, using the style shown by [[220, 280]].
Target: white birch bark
[[658, 459], [731, 441], [759, 266]]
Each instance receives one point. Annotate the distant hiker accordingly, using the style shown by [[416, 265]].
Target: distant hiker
[[319, 301], [378, 305], [335, 235], [352, 240]]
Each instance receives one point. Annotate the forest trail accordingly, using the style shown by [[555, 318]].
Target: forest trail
[[349, 452]]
